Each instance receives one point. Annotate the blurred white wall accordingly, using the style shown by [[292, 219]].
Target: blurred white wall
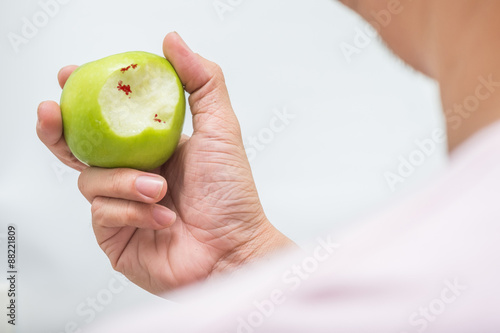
[[352, 120]]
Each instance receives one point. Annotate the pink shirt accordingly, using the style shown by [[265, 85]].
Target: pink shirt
[[429, 263]]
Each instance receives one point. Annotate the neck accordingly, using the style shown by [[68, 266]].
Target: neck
[[455, 42], [467, 67]]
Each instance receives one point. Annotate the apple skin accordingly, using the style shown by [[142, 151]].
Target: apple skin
[[88, 133]]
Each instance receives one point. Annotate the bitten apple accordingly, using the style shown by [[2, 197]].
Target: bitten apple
[[125, 111]]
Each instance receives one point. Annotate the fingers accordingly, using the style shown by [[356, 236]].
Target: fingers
[[203, 79], [49, 125], [64, 74], [127, 184], [125, 197], [193, 70], [49, 129], [111, 212]]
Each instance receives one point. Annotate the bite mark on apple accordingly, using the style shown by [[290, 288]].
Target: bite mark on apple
[[125, 88]]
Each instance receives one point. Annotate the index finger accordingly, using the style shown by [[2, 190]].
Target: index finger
[[64, 74], [49, 128]]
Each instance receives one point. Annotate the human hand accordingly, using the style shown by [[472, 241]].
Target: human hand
[[209, 220]]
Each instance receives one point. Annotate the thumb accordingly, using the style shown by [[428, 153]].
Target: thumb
[[203, 80]]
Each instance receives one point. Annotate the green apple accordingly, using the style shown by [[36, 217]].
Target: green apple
[[123, 111]]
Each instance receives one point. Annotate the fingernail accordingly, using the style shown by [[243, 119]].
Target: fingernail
[[149, 186], [183, 43], [163, 216]]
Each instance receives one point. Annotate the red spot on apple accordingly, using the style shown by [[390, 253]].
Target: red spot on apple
[[125, 88], [124, 69], [157, 119]]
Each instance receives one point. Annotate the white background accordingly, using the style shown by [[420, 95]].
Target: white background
[[353, 119]]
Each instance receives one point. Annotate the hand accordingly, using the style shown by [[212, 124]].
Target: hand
[[209, 220]]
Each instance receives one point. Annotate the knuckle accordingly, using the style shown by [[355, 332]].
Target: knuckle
[[130, 212], [82, 182], [119, 177], [216, 72], [96, 209], [114, 264]]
